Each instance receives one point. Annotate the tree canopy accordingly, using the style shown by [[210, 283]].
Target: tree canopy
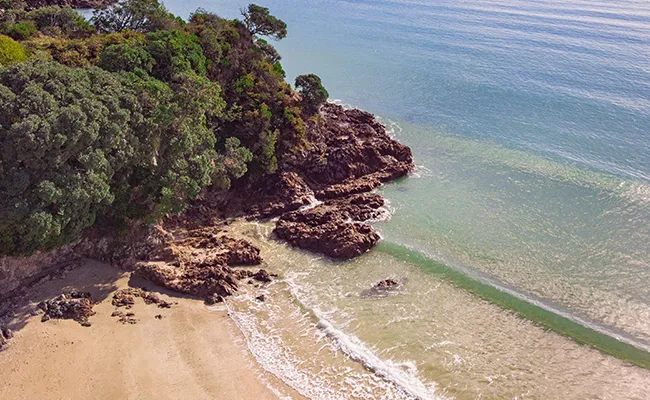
[[259, 21], [312, 91], [133, 116]]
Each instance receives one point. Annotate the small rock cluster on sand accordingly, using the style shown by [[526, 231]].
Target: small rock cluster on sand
[[73, 305]]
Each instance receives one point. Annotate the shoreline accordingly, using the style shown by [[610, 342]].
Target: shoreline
[[198, 351]]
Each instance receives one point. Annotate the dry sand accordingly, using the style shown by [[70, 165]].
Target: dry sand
[[193, 352]]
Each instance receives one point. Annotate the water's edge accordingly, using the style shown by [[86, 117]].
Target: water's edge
[[525, 309]]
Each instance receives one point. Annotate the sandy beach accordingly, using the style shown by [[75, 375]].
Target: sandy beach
[[189, 351]]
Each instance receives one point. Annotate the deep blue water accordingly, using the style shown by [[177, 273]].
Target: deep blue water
[[568, 80]]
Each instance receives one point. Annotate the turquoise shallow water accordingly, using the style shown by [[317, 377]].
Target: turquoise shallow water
[[530, 125]]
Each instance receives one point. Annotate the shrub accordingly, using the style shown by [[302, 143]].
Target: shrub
[[11, 51], [47, 18], [126, 57], [22, 30], [83, 144]]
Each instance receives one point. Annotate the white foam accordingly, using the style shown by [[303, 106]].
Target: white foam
[[313, 202], [406, 382]]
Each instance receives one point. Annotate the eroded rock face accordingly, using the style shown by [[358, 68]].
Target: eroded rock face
[[198, 263], [350, 154], [281, 193], [335, 227]]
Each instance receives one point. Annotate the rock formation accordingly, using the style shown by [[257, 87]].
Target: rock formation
[[350, 154]]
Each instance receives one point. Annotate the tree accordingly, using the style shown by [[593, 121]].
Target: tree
[[312, 91], [48, 17], [22, 30], [175, 52], [135, 15], [11, 51], [64, 133], [269, 51], [79, 145], [259, 21]]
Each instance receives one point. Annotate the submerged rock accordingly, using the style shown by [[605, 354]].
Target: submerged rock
[[382, 288], [262, 276]]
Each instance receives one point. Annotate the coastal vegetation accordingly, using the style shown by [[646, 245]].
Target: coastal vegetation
[[132, 114]]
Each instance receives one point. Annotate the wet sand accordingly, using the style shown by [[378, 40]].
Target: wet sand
[[192, 352]]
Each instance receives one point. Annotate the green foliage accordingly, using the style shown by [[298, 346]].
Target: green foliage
[[259, 21], [268, 51], [81, 52], [143, 115], [231, 163], [312, 91], [128, 56], [277, 67], [22, 30], [11, 51], [135, 15], [82, 145], [244, 83], [62, 141], [52, 19], [175, 52]]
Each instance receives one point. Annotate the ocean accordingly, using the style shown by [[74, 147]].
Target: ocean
[[523, 237]]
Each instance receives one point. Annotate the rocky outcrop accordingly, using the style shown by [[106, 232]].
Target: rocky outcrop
[[126, 298], [350, 154], [335, 227], [198, 262]]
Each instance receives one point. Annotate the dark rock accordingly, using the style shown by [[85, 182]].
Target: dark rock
[[279, 194], [261, 298], [158, 316], [126, 298], [332, 228], [382, 288], [203, 267], [351, 152], [74, 305], [117, 314], [213, 299], [386, 283], [123, 298], [86, 324], [262, 276], [7, 333]]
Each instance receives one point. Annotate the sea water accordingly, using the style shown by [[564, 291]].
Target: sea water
[[524, 233]]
